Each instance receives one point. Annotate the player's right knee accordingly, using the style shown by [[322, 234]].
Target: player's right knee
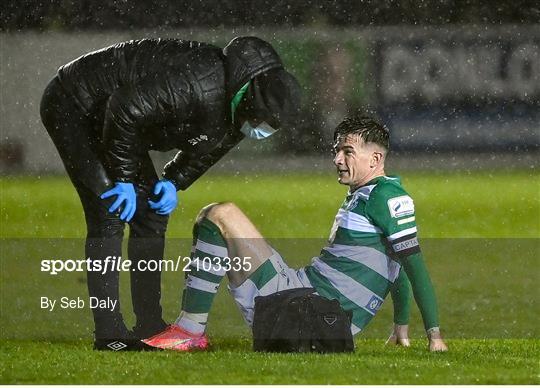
[[221, 211], [216, 210], [204, 211]]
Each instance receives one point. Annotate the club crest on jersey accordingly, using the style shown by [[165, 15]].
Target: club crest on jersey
[[400, 206]]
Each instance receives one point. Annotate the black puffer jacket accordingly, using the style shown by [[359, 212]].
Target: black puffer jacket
[[156, 94]]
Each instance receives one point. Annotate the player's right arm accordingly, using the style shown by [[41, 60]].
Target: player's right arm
[[424, 295]]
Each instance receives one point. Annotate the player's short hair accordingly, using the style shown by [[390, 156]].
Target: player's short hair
[[369, 130]]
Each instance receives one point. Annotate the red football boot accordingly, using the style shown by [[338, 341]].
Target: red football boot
[[175, 338]]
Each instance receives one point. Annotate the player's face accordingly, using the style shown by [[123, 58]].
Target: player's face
[[355, 161]]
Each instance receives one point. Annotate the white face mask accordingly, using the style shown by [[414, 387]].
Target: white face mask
[[261, 131]]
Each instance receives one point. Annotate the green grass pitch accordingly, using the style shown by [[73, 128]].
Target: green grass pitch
[[480, 235]]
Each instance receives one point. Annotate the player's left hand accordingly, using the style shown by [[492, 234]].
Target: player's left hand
[[168, 200]]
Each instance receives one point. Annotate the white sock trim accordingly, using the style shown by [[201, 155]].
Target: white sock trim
[[194, 323]]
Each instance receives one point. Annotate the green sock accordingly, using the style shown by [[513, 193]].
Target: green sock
[[401, 298], [204, 276]]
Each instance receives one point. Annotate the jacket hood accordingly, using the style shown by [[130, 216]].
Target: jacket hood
[[247, 57]]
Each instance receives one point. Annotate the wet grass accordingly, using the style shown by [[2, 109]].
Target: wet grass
[[479, 234]]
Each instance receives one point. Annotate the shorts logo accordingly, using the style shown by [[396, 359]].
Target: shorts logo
[[116, 345], [330, 319], [374, 304], [400, 206]]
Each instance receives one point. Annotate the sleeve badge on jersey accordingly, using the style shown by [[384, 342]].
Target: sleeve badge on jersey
[[400, 206], [407, 244], [374, 304]]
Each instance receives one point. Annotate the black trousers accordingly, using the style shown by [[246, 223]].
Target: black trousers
[[77, 138]]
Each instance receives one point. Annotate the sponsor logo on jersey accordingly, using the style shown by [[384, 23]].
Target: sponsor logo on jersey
[[400, 206], [374, 304]]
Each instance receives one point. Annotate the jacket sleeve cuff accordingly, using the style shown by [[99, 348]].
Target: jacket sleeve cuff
[[179, 181], [123, 179]]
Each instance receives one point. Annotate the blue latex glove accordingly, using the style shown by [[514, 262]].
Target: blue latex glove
[[168, 201], [125, 193]]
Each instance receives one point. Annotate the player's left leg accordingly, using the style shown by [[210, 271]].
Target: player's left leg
[[242, 238], [224, 234], [219, 234], [225, 241]]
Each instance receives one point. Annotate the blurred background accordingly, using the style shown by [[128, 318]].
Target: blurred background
[[456, 81]]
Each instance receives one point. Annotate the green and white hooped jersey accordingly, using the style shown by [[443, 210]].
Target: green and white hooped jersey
[[374, 226]]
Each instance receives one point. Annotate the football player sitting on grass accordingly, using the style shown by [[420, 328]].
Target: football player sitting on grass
[[373, 250]]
